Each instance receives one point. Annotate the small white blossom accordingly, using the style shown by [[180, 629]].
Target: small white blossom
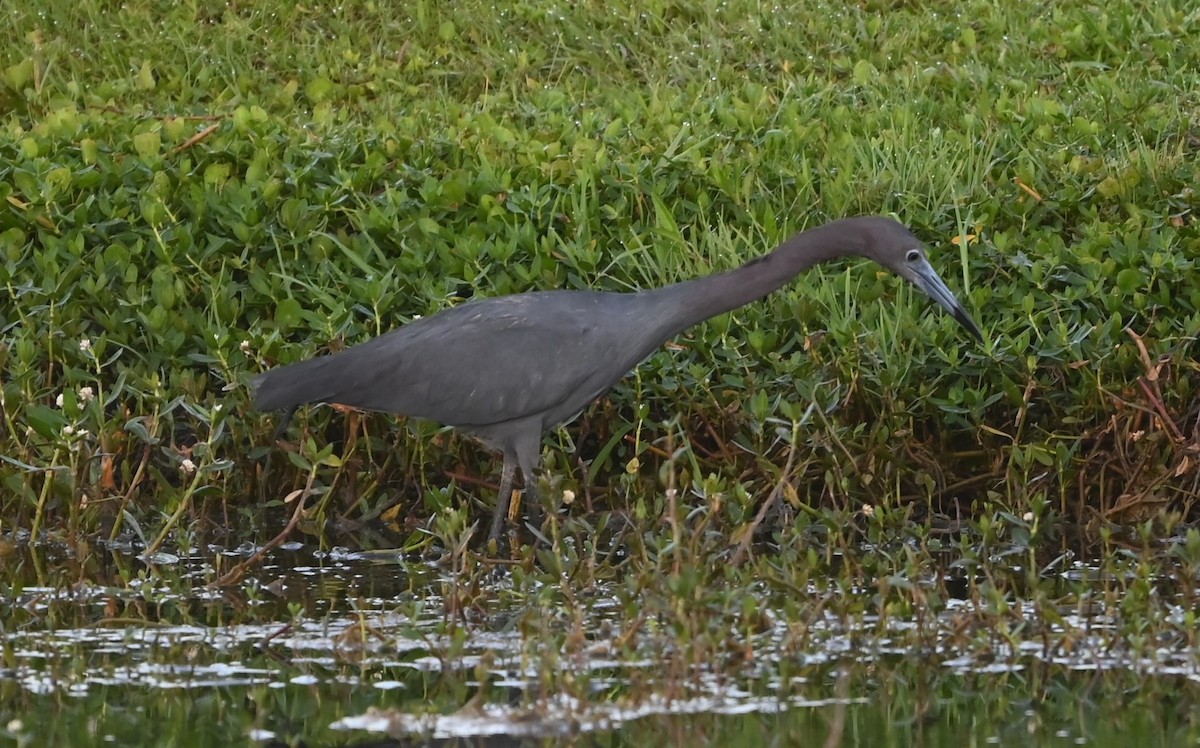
[[68, 429], [85, 345], [187, 466], [86, 394], [83, 501], [15, 726], [245, 346], [568, 497], [1027, 516], [58, 401], [217, 408], [868, 510]]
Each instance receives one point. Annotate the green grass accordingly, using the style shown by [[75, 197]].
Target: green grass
[[203, 193]]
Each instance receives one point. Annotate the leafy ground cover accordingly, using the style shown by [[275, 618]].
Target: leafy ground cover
[[191, 194]]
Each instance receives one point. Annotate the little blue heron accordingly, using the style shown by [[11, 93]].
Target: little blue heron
[[506, 369]]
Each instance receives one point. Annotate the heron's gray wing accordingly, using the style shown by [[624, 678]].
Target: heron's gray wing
[[483, 362]]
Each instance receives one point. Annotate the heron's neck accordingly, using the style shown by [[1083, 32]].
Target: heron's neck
[[697, 300]]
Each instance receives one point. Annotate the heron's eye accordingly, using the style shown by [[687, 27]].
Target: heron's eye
[[913, 255]]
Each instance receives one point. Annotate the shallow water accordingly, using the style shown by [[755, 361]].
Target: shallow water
[[340, 647]]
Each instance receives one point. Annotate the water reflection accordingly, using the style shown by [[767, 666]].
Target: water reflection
[[322, 645]]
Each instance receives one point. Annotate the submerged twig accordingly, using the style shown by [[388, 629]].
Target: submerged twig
[[235, 574]]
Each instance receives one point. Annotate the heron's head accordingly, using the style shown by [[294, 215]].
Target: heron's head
[[892, 245]]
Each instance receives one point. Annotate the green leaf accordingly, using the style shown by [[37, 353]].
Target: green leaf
[[318, 89], [145, 77], [147, 145], [18, 76], [288, 312], [88, 150], [1129, 280], [46, 421], [136, 427], [427, 225], [864, 72], [216, 175]]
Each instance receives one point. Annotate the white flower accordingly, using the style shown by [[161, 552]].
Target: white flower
[[568, 497], [58, 401], [68, 429], [245, 346], [217, 408], [85, 345], [1027, 516], [15, 726], [868, 510], [187, 466], [86, 394]]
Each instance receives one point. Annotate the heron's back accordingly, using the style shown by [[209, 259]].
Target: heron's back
[[483, 363]]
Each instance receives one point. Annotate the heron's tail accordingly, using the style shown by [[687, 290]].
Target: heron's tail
[[288, 387]]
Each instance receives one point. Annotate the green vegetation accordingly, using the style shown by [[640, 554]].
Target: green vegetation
[[190, 193], [199, 193]]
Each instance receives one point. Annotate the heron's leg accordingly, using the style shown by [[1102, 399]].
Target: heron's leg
[[529, 454], [502, 499]]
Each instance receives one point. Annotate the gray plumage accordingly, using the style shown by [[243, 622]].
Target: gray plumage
[[506, 369]]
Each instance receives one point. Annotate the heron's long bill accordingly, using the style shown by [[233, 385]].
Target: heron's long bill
[[931, 283]]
